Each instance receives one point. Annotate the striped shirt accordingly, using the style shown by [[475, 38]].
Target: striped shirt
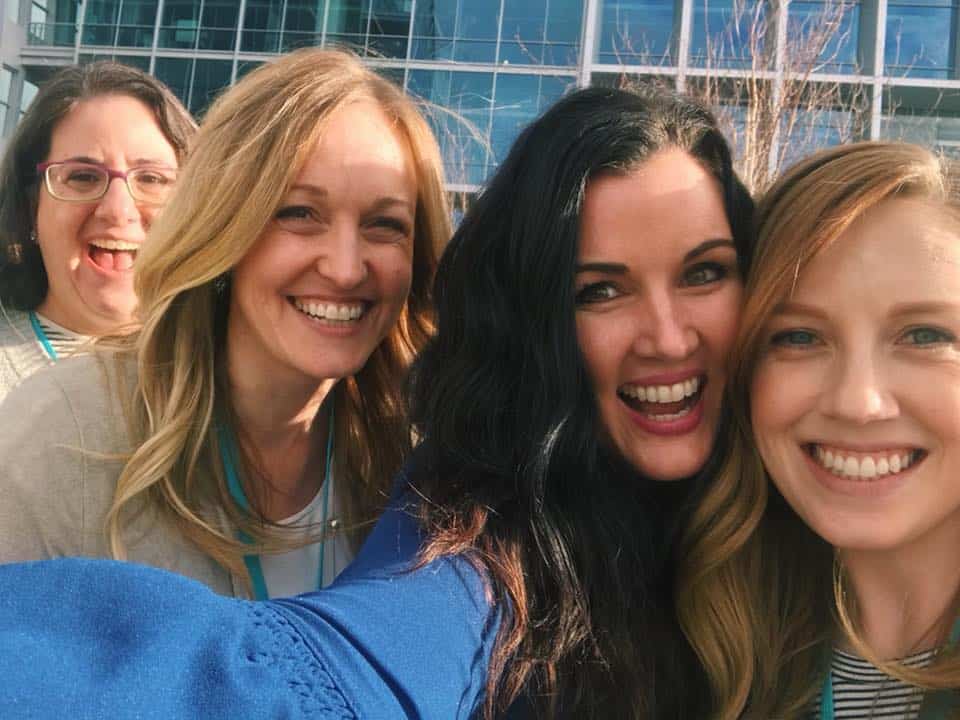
[[861, 691], [64, 342]]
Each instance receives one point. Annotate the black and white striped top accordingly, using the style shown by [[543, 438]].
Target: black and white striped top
[[65, 342], [861, 691]]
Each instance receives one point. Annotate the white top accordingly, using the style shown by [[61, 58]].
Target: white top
[[295, 572]]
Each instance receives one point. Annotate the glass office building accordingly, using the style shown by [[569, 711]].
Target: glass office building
[[892, 64]]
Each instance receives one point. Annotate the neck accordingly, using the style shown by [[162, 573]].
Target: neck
[[81, 323], [905, 596], [277, 413]]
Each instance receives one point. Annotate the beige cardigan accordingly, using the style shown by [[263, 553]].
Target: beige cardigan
[[21, 354], [63, 440]]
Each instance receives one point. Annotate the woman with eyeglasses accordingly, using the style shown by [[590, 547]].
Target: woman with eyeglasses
[[93, 160], [248, 433]]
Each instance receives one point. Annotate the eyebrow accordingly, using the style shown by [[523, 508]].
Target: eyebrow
[[93, 161], [608, 268], [707, 245], [922, 307], [380, 204], [795, 308]]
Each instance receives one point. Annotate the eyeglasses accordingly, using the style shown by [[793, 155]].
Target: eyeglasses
[[82, 182]]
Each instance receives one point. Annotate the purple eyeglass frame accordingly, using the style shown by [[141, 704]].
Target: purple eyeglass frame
[[111, 176]]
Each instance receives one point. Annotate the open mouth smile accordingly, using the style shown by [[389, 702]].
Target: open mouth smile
[[663, 403], [864, 465], [330, 313], [115, 255]]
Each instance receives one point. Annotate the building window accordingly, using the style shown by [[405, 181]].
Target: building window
[[823, 36], [27, 94], [540, 32], [262, 21], [462, 135], [921, 39], [637, 32], [729, 34], [6, 85], [458, 30]]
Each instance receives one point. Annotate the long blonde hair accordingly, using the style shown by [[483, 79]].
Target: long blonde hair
[[249, 151], [761, 595]]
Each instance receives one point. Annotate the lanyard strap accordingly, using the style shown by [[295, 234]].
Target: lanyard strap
[[42, 336], [229, 458], [934, 706]]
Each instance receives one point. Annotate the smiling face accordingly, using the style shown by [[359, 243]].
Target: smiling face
[[856, 400], [658, 300], [88, 248], [329, 277]]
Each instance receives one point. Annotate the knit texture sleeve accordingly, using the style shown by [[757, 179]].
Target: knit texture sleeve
[[92, 639]]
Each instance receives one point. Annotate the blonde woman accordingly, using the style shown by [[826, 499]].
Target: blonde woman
[[91, 164], [247, 434], [837, 596]]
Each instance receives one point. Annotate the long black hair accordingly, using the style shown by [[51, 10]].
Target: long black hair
[[511, 470]]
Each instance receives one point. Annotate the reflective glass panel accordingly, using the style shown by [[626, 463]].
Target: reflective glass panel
[[176, 73], [180, 24], [823, 36], [462, 134], [541, 32], [303, 25], [462, 30], [261, 26], [921, 39], [209, 78], [636, 32], [218, 25], [520, 99], [728, 33]]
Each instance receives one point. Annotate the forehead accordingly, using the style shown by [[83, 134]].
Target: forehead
[[660, 209], [901, 250], [110, 123], [359, 136]]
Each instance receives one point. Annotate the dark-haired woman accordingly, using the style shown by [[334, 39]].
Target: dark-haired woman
[[568, 402], [89, 167]]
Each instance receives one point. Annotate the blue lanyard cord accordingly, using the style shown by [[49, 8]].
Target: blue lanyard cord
[[228, 456], [42, 336]]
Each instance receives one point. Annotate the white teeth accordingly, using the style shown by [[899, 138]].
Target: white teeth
[[115, 245], [330, 311], [669, 416], [862, 467], [662, 393]]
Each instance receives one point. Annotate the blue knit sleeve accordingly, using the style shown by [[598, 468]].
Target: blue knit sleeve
[[102, 639]]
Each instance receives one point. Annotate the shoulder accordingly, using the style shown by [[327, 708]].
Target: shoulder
[[20, 353], [76, 388]]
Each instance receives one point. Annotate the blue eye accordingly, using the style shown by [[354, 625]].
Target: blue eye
[[794, 338], [928, 336], [596, 293]]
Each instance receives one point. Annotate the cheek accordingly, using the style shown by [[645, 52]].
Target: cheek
[[720, 319]]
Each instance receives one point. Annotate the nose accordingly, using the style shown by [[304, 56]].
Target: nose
[[857, 390], [117, 205], [665, 332], [342, 258]]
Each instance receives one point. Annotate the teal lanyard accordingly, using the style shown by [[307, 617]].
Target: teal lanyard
[[826, 692], [228, 456], [42, 336]]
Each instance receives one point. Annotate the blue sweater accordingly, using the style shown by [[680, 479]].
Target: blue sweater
[[101, 639]]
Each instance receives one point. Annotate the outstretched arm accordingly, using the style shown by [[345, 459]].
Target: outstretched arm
[[95, 639]]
